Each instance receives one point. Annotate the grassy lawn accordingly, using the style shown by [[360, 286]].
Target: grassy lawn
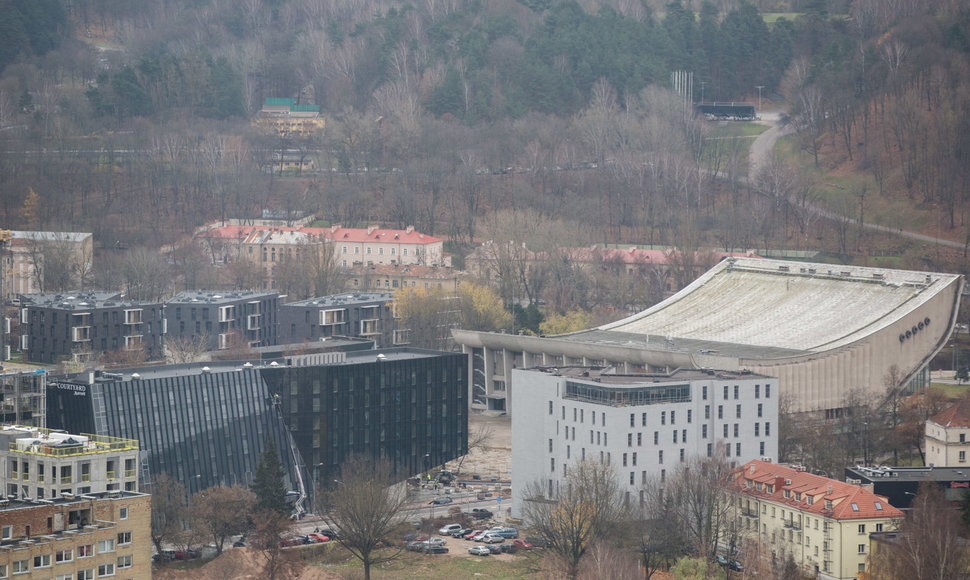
[[460, 565], [952, 391], [730, 136]]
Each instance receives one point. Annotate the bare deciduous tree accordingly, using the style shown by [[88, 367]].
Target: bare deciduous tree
[[186, 349], [367, 505], [221, 512], [584, 508], [169, 510], [928, 545]]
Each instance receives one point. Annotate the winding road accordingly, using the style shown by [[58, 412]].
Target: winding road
[[760, 154]]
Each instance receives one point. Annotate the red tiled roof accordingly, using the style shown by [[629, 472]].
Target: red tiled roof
[[357, 235], [830, 497], [956, 415]]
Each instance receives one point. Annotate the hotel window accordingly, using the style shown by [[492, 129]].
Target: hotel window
[[767, 391], [757, 391], [704, 431], [735, 392]]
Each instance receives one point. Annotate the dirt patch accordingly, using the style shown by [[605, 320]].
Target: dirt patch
[[247, 564], [494, 457]]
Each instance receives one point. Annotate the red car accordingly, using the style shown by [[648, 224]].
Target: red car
[[318, 537], [472, 534], [521, 544]]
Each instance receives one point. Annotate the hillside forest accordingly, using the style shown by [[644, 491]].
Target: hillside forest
[[543, 122]]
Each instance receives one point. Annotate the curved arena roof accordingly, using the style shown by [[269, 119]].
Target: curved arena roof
[[774, 303], [824, 331]]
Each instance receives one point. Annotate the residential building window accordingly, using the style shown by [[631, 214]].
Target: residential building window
[[682, 455], [633, 419], [105, 546], [673, 418], [862, 528], [634, 458], [767, 391], [689, 415], [550, 446], [632, 475], [656, 437], [624, 460], [862, 548], [710, 449], [878, 527], [6, 532], [124, 561], [704, 393], [683, 436], [725, 392], [550, 407], [737, 411], [63, 556], [106, 570], [704, 431], [124, 538], [20, 566], [660, 457], [735, 392], [663, 417], [761, 452], [629, 439], [639, 439], [757, 429], [725, 430], [963, 456], [767, 429], [552, 464], [643, 420], [759, 409], [737, 450], [736, 430], [42, 561], [123, 512], [757, 391], [85, 551]]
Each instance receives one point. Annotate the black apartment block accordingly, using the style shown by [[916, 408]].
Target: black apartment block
[[79, 326], [356, 315], [206, 425], [227, 319]]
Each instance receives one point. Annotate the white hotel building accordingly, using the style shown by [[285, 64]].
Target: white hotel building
[[643, 425]]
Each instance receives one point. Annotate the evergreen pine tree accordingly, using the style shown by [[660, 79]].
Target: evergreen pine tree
[[268, 481]]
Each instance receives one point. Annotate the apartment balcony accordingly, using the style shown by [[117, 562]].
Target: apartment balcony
[[792, 525], [750, 513], [130, 473]]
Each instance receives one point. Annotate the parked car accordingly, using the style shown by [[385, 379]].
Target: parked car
[[329, 532], [483, 494], [536, 541], [510, 533], [440, 500], [506, 548], [294, 541], [495, 548], [437, 541], [317, 537], [471, 535], [416, 546], [461, 533], [481, 513], [185, 555], [449, 529], [490, 538], [415, 537], [520, 543], [479, 551], [433, 549], [736, 566]]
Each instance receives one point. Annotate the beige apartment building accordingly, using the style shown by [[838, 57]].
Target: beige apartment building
[[44, 464], [946, 437], [81, 537], [822, 523]]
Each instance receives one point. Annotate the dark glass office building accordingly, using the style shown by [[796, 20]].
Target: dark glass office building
[[207, 425]]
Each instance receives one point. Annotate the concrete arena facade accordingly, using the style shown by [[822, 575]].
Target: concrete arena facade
[[823, 331]]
